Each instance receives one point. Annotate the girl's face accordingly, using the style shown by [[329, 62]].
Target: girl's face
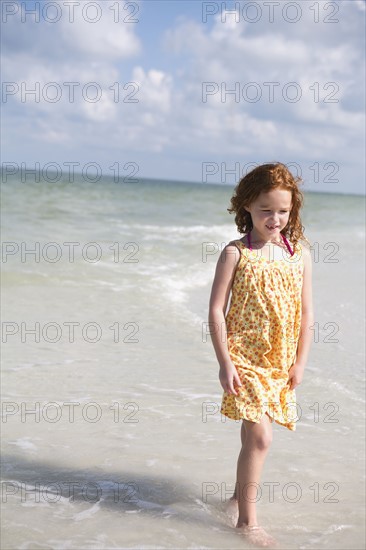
[[270, 213]]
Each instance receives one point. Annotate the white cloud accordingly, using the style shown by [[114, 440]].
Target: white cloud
[[233, 54], [170, 116], [105, 39], [102, 110], [360, 4], [73, 54], [155, 88]]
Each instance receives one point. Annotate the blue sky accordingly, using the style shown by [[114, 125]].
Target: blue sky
[[297, 70]]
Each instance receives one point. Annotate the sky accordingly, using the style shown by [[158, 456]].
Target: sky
[[185, 90]]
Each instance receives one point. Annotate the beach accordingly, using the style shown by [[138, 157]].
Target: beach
[[111, 431]]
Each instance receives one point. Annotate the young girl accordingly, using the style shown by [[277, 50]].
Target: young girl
[[262, 343]]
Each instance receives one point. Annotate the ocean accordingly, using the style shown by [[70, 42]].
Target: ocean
[[111, 431]]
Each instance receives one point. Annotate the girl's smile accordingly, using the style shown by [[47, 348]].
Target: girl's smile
[[270, 213]]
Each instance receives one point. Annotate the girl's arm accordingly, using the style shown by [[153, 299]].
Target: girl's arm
[[296, 372], [221, 287]]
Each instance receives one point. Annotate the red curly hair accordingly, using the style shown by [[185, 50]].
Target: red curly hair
[[262, 179]]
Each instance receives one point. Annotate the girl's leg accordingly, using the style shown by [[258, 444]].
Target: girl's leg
[[258, 438], [243, 434], [232, 504]]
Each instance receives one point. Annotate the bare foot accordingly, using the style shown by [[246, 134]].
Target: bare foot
[[258, 536], [232, 511]]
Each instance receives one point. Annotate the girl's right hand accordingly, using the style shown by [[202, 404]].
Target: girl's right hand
[[229, 378]]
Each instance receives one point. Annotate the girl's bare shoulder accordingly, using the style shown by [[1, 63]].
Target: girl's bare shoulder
[[233, 250], [239, 243], [304, 248]]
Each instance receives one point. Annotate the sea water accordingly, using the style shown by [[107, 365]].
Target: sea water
[[111, 431]]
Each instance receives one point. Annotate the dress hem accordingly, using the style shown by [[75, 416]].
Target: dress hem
[[289, 426]]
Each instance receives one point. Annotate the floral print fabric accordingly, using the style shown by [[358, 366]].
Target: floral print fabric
[[263, 329]]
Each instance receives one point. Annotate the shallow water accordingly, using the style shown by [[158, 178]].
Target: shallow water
[[125, 447]]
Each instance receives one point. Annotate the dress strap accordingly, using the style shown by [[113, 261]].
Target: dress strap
[[283, 238], [288, 245]]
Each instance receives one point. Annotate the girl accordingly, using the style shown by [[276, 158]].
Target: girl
[[262, 343]]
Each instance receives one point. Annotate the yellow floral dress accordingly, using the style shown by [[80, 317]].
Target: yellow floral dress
[[263, 329]]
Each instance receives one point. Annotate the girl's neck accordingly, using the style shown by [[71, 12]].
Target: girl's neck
[[255, 239], [283, 242]]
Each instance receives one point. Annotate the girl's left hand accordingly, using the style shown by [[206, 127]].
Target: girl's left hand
[[295, 375]]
